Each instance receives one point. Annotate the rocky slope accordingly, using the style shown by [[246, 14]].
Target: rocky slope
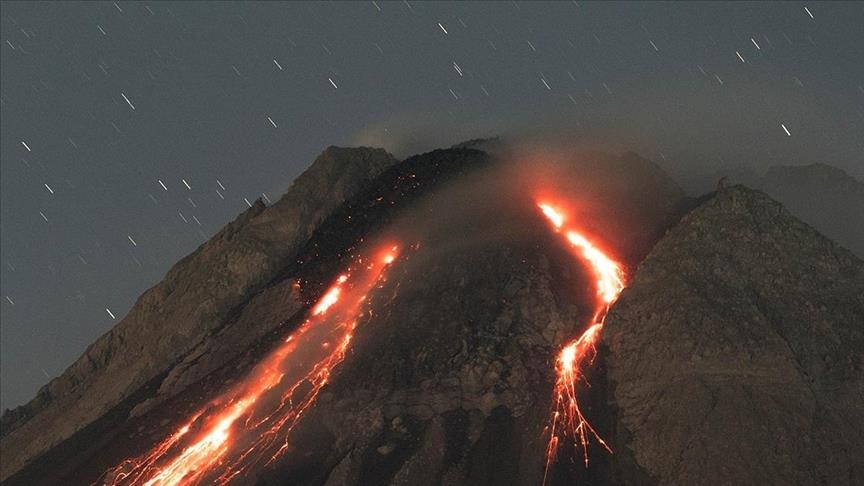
[[734, 355], [178, 321]]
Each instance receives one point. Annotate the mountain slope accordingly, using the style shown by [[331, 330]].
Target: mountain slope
[[174, 319], [735, 353]]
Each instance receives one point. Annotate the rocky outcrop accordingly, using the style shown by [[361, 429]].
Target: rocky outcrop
[[178, 324], [735, 354]]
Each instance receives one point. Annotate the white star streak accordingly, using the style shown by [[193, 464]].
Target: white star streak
[[127, 101]]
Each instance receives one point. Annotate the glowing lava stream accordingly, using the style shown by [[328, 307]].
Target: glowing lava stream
[[250, 424], [567, 420]]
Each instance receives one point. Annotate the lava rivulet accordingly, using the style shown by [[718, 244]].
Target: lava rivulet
[[567, 420], [249, 426]]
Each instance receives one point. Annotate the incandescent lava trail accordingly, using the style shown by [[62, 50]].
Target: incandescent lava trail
[[249, 426], [566, 420]]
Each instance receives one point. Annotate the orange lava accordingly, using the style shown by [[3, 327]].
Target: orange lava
[[567, 421], [250, 424]]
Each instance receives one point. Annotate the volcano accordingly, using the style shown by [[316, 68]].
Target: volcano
[[482, 314]]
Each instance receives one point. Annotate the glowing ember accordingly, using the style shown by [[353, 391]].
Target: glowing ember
[[330, 298], [552, 214], [250, 424], [567, 420]]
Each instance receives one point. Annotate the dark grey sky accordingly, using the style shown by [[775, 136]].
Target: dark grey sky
[[101, 101]]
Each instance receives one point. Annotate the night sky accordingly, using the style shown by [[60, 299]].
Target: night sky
[[131, 132]]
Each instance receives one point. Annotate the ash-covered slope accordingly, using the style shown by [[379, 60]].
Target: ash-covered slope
[[735, 354], [176, 322]]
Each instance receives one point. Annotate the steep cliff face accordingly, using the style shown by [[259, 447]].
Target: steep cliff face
[[178, 321], [735, 353]]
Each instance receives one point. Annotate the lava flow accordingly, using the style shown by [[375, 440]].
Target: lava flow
[[567, 420], [249, 425]]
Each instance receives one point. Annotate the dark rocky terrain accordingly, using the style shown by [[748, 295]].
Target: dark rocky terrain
[[734, 356], [735, 353]]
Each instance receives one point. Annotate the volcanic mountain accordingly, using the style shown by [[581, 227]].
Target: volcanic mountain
[[474, 316]]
